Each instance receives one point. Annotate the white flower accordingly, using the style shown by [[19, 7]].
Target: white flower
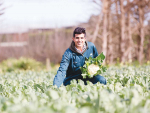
[[92, 69]]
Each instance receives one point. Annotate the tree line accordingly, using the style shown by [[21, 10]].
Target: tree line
[[119, 31], [120, 27]]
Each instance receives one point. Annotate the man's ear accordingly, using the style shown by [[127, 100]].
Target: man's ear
[[73, 38]]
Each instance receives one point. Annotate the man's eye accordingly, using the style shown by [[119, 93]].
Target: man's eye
[[82, 37], [77, 37]]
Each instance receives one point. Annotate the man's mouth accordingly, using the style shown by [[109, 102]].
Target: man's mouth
[[79, 43]]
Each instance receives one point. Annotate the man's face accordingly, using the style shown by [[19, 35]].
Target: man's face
[[79, 40]]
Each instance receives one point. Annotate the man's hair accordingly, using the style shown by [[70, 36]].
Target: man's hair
[[79, 30]]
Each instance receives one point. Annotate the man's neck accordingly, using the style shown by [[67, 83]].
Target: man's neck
[[80, 49]]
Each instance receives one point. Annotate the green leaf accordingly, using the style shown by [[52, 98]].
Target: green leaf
[[96, 61]]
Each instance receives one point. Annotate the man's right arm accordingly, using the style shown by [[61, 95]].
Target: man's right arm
[[60, 76]]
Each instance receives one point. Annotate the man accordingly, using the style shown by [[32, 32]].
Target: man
[[74, 58]]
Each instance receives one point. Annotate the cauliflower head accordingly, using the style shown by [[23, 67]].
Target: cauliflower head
[[92, 69]]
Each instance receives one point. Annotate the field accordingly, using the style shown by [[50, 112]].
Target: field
[[127, 91]]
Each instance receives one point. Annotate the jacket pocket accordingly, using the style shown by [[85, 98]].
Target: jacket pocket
[[76, 62], [91, 55]]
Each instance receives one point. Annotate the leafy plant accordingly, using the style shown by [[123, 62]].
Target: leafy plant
[[93, 66], [127, 91], [20, 64]]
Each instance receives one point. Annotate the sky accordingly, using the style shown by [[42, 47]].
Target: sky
[[21, 15]]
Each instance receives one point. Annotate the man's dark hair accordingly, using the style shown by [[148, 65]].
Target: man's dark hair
[[79, 30]]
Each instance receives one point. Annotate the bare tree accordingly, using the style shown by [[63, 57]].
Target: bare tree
[[104, 13], [110, 38], [142, 7], [123, 27], [105, 26]]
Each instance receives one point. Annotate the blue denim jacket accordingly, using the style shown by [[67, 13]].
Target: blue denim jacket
[[70, 65]]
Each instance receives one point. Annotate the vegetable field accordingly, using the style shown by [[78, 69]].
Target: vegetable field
[[127, 91]]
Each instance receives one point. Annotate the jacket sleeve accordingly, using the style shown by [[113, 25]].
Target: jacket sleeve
[[61, 73], [95, 53]]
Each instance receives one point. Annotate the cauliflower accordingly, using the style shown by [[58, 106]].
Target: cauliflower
[[93, 66], [92, 69]]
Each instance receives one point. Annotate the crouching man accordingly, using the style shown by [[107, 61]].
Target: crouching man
[[74, 58]]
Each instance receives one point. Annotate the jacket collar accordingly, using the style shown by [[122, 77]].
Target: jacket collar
[[72, 47]]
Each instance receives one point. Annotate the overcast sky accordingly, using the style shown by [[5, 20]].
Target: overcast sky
[[21, 15]]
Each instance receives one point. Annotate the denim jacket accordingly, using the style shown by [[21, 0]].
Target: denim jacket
[[70, 65]]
